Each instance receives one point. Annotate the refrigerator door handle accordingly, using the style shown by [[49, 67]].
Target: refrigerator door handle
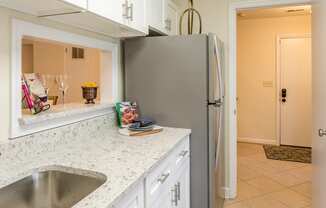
[[218, 92], [218, 139], [217, 103], [218, 99]]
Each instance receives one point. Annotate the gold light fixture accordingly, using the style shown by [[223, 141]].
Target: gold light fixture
[[191, 11]]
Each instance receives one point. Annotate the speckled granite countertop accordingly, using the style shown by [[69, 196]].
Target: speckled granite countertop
[[123, 160]]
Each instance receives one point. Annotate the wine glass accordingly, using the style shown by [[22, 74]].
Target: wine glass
[[62, 81], [46, 81]]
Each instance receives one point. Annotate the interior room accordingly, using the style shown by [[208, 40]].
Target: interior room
[[162, 103], [51, 59], [274, 105]]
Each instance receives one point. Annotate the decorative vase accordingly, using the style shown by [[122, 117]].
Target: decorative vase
[[89, 94]]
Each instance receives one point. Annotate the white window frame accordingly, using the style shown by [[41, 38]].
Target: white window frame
[[21, 29]]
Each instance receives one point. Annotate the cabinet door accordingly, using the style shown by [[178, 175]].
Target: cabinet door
[[110, 9], [171, 18], [155, 14], [79, 3], [136, 15], [165, 200], [133, 199], [182, 184]]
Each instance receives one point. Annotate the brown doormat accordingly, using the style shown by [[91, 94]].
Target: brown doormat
[[288, 153]]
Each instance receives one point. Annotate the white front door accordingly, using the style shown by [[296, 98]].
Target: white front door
[[295, 91]]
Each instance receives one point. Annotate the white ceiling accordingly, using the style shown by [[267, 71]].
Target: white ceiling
[[275, 12]]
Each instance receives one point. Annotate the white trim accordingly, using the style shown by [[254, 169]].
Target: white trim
[[22, 28], [224, 192], [278, 79], [257, 141], [232, 79]]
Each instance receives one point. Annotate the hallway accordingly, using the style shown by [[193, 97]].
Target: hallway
[[264, 183]]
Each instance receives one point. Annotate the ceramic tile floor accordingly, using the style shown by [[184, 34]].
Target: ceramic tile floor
[[264, 183]]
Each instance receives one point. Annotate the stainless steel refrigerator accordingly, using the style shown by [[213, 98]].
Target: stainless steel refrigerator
[[178, 81]]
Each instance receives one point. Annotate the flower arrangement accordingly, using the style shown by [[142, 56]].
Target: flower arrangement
[[89, 92], [89, 84]]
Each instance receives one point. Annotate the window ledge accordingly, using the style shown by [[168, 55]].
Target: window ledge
[[63, 111]]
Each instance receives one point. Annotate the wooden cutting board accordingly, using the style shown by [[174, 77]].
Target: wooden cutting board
[[144, 133], [127, 132]]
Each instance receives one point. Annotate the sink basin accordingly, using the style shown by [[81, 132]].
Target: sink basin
[[49, 189]]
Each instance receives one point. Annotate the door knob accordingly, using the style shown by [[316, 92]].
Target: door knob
[[322, 132]]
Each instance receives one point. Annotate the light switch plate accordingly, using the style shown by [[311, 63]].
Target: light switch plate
[[267, 83]]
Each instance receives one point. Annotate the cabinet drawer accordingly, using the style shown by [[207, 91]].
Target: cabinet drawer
[[181, 154], [158, 181]]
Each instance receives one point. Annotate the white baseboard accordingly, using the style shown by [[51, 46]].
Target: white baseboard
[[226, 193], [257, 141]]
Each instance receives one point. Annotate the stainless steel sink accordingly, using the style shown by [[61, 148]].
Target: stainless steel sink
[[49, 189]]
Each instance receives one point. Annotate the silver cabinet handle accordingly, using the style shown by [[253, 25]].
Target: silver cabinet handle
[[322, 132], [183, 153], [163, 177], [131, 12], [174, 197], [125, 9], [179, 191], [168, 24]]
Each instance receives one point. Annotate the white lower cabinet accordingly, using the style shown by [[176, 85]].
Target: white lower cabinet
[[164, 201], [166, 186], [133, 199], [181, 187]]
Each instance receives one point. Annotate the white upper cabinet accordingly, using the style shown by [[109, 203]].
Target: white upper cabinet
[[171, 21], [163, 16], [79, 3], [136, 15], [115, 18], [155, 14], [130, 13], [110, 9], [45, 7]]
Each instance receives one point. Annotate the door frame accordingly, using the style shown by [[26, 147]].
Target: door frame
[[278, 78], [234, 7]]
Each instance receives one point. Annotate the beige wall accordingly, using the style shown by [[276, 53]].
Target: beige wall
[[80, 71], [51, 58], [256, 72], [5, 47], [27, 58]]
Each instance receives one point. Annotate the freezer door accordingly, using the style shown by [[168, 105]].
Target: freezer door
[[216, 86]]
